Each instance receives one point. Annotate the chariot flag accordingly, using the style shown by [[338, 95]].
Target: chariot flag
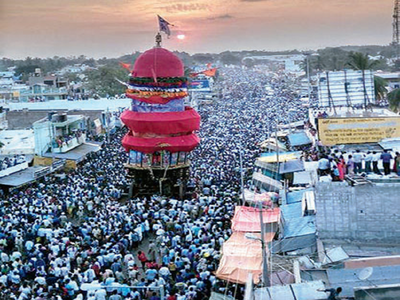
[[163, 24], [126, 66]]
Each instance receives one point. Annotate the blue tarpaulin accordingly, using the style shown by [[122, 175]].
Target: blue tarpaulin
[[291, 211], [296, 227], [296, 196], [299, 139]]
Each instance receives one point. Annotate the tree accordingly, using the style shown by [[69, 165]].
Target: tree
[[203, 58], [25, 70], [380, 87], [359, 61], [103, 80], [188, 71], [333, 58], [248, 62], [185, 57], [394, 100], [317, 63], [228, 58]]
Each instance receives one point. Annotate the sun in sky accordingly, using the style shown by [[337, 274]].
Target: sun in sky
[[112, 28]]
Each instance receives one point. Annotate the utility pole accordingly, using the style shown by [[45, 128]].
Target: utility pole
[[277, 149], [241, 174], [263, 249], [308, 77], [396, 21]]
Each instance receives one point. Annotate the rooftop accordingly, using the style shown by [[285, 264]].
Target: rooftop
[[17, 142], [78, 153], [346, 112], [91, 104]]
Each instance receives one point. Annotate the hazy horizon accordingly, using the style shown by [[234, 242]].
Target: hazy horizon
[[105, 28]]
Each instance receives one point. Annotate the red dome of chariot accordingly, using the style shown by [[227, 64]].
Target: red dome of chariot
[[158, 62]]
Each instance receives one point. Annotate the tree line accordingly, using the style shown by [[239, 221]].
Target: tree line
[[100, 79]]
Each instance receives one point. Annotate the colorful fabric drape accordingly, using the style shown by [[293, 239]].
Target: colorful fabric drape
[[126, 66], [185, 143], [161, 81], [154, 97], [210, 72], [158, 123], [171, 106]]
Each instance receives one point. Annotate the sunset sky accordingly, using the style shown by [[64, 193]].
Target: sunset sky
[[98, 28]]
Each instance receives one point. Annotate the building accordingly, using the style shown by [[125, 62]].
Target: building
[[45, 88], [392, 78], [346, 88], [289, 63], [59, 133], [10, 88]]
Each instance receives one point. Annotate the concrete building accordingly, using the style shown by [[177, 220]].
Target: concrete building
[[365, 212], [17, 142], [59, 133], [10, 88], [45, 88], [392, 78], [290, 63]]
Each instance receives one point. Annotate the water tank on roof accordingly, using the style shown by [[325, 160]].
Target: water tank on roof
[[56, 118], [50, 115], [63, 117]]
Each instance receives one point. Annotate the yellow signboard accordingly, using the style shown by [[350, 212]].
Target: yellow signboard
[[337, 131]]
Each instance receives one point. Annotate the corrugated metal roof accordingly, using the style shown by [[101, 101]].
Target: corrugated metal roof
[[349, 278], [218, 296], [291, 166], [334, 255], [298, 291], [302, 177], [77, 153], [390, 144], [267, 182], [282, 278], [296, 227]]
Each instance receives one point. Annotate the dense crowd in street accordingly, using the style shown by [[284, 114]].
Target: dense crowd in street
[[73, 238]]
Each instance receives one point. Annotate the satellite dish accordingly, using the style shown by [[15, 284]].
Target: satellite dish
[[365, 273]]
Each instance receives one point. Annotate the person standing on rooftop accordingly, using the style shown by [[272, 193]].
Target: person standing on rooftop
[[386, 158], [397, 163], [368, 160], [375, 159], [358, 157]]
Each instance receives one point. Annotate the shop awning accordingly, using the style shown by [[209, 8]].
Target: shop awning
[[241, 256], [247, 219]]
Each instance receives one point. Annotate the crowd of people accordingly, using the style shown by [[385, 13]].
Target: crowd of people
[[74, 238], [8, 162], [337, 164]]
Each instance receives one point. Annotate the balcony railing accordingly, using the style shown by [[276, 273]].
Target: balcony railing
[[71, 144]]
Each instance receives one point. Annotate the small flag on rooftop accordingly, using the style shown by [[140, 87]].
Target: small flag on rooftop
[[163, 24]]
